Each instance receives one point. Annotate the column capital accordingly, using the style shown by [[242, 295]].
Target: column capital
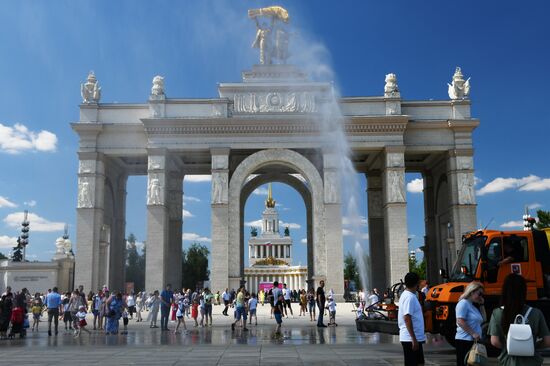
[[220, 150], [460, 152]]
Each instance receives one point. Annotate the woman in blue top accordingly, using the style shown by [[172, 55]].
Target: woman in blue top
[[115, 304], [468, 320]]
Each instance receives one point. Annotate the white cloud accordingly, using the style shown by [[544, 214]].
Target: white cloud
[[17, 139], [291, 225], [198, 178], [534, 206], [260, 191], [7, 241], [186, 213], [513, 224], [355, 221], [303, 241], [4, 202], [30, 203], [538, 185], [529, 183], [347, 232], [477, 180], [139, 245], [195, 237], [416, 186], [190, 199], [257, 223], [37, 223]]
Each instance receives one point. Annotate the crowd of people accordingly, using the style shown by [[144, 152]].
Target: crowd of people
[[105, 309]]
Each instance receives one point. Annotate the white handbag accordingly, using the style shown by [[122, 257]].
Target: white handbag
[[519, 341]]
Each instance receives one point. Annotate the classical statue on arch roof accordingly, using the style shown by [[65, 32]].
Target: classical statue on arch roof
[[271, 37]]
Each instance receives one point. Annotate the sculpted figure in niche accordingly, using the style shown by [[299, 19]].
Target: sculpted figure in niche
[[331, 188], [466, 190], [396, 185], [84, 194], [154, 197], [218, 189]]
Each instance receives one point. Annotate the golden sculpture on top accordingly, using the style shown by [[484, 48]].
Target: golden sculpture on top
[[272, 40], [269, 202], [270, 261]]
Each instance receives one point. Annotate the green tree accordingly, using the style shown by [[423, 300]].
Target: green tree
[[2, 256], [544, 219], [194, 265], [418, 268], [351, 271], [135, 264]]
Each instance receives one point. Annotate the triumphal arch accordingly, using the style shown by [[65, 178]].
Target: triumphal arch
[[265, 128]]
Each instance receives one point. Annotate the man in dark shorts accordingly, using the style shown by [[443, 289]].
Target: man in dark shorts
[[53, 303], [320, 295], [287, 295], [278, 301]]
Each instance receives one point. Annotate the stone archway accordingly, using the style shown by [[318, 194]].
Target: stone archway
[[304, 192], [299, 164]]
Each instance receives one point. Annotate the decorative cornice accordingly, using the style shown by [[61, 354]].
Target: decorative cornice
[[275, 126]]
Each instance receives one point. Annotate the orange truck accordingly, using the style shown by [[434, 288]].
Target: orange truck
[[488, 256]]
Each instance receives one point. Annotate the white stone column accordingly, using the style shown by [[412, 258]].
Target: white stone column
[[89, 219], [225, 261], [395, 215], [334, 245], [460, 177], [156, 260]]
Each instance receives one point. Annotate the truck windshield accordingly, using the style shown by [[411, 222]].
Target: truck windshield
[[466, 264]]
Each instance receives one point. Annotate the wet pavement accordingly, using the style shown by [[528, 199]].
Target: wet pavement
[[301, 343]]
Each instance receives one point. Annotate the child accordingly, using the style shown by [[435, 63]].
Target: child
[[252, 305], [195, 311], [125, 322], [331, 306], [36, 313], [67, 318], [81, 315], [180, 313]]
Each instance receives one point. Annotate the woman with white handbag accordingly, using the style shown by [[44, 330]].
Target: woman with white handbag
[[509, 326], [468, 320]]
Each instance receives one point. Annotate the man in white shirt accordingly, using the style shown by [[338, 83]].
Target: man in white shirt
[[226, 300], [411, 322], [287, 295]]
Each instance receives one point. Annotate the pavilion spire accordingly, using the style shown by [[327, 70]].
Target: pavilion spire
[[269, 202]]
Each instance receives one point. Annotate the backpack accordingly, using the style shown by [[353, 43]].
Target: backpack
[[519, 341]]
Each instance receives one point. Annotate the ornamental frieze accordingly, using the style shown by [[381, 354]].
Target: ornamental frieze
[[274, 102]]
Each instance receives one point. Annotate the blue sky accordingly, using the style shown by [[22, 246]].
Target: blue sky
[[48, 48]]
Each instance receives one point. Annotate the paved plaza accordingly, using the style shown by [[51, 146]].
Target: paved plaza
[[301, 343]]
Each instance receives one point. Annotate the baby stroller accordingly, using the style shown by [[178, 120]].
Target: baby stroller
[[17, 323]]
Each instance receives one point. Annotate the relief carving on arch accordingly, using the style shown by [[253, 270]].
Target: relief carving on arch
[[86, 190], [332, 188], [155, 190], [219, 188], [396, 186], [466, 193]]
